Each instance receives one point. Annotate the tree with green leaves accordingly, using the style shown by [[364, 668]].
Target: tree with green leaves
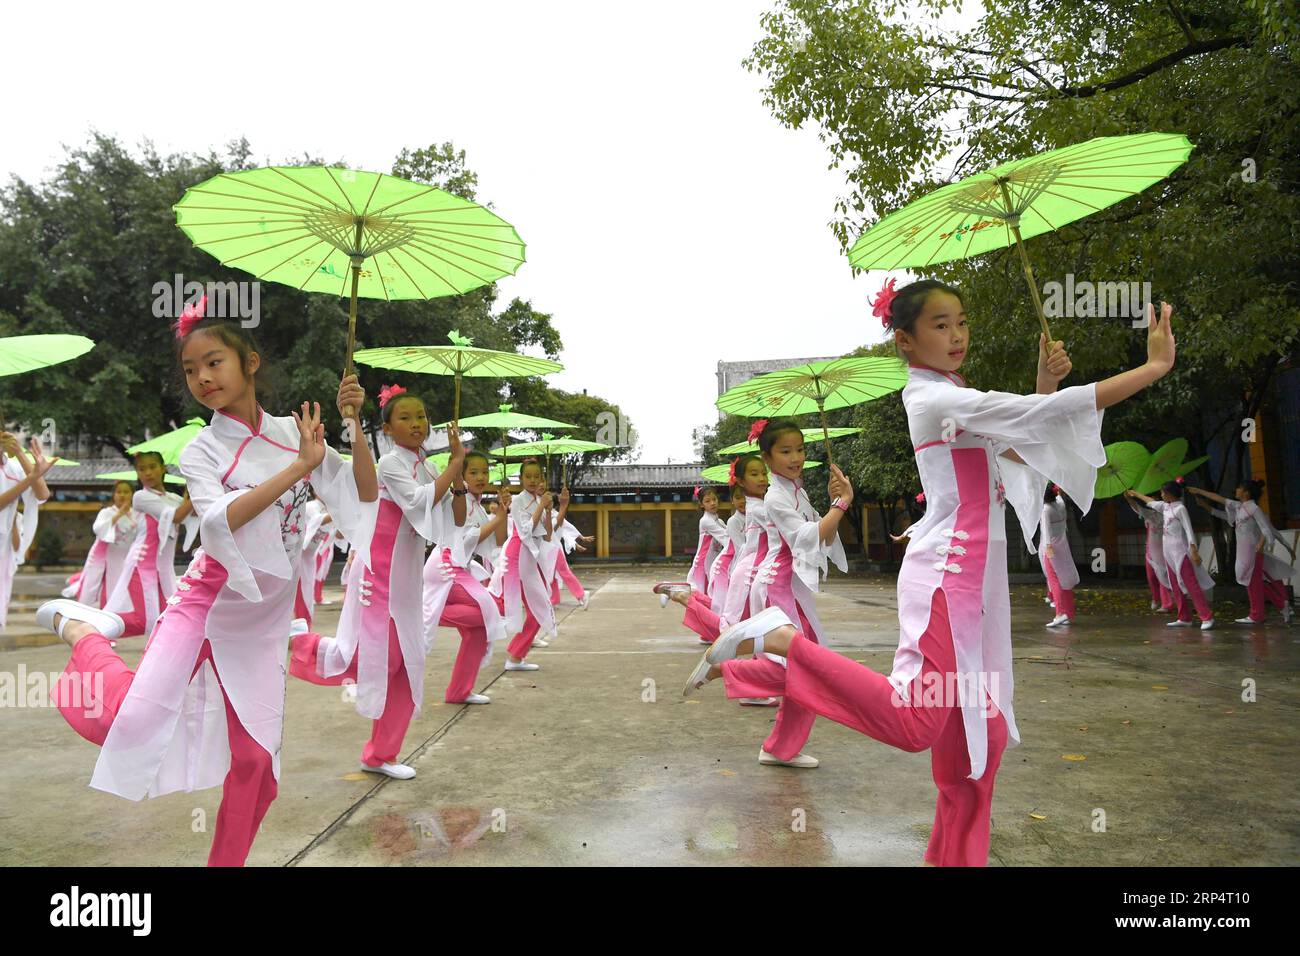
[[906, 104], [84, 249]]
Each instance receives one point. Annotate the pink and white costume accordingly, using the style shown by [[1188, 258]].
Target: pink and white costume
[[720, 573], [953, 594], [522, 577], [380, 641], [1157, 573], [455, 596], [1192, 579], [1060, 571], [107, 558], [11, 472], [707, 615], [713, 538], [1259, 572], [207, 702], [788, 578], [567, 536], [317, 555], [150, 580]]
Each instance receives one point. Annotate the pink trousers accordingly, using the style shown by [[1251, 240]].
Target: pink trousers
[[701, 619], [1159, 593], [1264, 592], [386, 733], [1063, 598], [134, 619], [462, 612], [565, 573], [830, 685], [1187, 574], [250, 784]]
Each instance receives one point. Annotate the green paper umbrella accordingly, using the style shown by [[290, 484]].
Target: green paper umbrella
[[26, 353], [720, 474], [458, 359], [171, 444], [1019, 200], [1126, 461], [1163, 465], [809, 435], [505, 418], [1187, 467], [816, 386], [132, 476], [65, 463], [550, 445], [349, 233]]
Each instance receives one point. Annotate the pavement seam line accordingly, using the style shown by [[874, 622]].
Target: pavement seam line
[[439, 733]]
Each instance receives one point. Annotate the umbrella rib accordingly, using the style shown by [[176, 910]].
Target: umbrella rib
[[287, 197], [411, 278], [433, 253], [329, 203], [451, 252], [329, 171], [450, 237], [419, 262], [277, 245]]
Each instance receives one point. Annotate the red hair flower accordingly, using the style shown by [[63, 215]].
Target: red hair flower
[[190, 316], [696, 493], [1179, 479], [731, 475], [388, 393], [920, 497], [757, 429], [880, 305], [1056, 488]]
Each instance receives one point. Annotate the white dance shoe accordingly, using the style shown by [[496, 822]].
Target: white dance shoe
[[1058, 621], [1287, 613], [474, 699], [538, 642], [1207, 625], [752, 628], [522, 666], [760, 702], [398, 771], [105, 622], [1178, 623], [1247, 620], [801, 761]]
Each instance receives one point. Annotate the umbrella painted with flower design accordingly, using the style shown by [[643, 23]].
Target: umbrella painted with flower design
[[1019, 200]]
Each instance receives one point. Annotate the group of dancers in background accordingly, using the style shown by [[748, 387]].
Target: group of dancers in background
[[269, 500]]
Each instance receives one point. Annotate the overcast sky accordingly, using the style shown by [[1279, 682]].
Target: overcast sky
[[670, 220]]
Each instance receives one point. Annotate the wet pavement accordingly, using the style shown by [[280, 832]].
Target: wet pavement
[[1138, 749]]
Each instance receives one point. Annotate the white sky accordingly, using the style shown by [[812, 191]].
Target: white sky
[[670, 220]]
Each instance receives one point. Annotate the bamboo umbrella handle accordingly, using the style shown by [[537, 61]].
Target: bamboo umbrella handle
[[1013, 220], [356, 259]]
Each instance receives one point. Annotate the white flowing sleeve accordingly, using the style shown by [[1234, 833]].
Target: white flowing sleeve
[[418, 502], [716, 529], [804, 538], [568, 535], [27, 522], [530, 532], [1058, 435], [1226, 512], [354, 519], [1261, 521], [1185, 522], [104, 528], [161, 508], [255, 546]]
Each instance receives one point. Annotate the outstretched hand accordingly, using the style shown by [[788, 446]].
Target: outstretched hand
[[1160, 337], [839, 486], [311, 434]]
